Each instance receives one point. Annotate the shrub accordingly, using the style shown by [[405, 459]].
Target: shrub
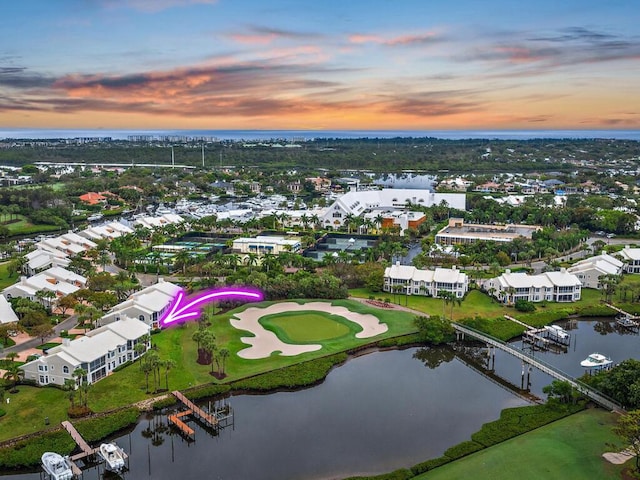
[[524, 306], [97, 428], [300, 375], [400, 474], [124, 365], [28, 452], [462, 449], [204, 391], [429, 465]]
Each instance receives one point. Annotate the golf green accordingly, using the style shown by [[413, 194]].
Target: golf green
[[305, 327]]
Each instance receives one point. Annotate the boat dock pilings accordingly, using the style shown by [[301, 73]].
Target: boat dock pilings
[[584, 389]]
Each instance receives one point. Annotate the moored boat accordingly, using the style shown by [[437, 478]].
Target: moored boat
[[596, 361], [113, 456], [558, 331], [56, 466]]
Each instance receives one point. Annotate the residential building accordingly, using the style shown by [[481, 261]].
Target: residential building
[[99, 352], [58, 280], [146, 305], [7, 315], [410, 280], [591, 269], [357, 203], [549, 286], [39, 260], [263, 244], [459, 232], [631, 258]]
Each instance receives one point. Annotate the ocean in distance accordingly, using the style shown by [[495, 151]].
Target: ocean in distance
[[305, 135]]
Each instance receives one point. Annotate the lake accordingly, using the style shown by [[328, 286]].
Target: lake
[[378, 412]]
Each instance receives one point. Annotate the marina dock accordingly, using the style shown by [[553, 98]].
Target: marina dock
[[545, 337], [212, 418]]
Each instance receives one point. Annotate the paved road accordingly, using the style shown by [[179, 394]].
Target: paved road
[[66, 324]]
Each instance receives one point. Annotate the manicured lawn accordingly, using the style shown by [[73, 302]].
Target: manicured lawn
[[28, 408], [5, 279], [309, 327], [24, 227], [129, 385], [569, 448]]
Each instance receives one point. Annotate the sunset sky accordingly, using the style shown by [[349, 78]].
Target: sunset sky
[[321, 64]]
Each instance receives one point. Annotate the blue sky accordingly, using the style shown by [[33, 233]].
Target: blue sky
[[349, 64]]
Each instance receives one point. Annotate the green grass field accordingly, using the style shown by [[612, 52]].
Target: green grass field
[[306, 327], [569, 448], [24, 227]]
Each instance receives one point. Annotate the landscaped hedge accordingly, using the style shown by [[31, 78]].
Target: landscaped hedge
[[300, 375], [462, 449], [597, 311], [429, 465], [28, 452], [205, 391], [97, 428], [400, 474], [515, 421], [402, 341]]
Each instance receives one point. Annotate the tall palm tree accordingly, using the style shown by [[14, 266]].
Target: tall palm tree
[[13, 375]]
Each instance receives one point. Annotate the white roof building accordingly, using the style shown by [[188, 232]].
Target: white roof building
[[591, 269], [631, 259], [357, 203], [146, 305], [550, 286], [39, 260], [410, 280], [263, 244], [99, 352], [55, 279], [161, 221], [7, 315]]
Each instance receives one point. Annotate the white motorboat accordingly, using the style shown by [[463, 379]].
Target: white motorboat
[[113, 455], [56, 466], [558, 331], [596, 361]]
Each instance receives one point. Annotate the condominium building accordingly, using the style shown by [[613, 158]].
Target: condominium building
[[631, 258], [510, 287], [591, 269], [98, 353], [410, 280]]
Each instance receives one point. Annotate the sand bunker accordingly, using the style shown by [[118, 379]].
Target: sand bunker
[[264, 343]]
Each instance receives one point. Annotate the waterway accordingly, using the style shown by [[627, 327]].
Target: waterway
[[376, 413]]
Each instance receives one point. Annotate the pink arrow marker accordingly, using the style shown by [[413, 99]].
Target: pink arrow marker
[[182, 308]]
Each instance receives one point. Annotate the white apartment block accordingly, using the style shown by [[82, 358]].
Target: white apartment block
[[591, 269], [410, 280], [55, 279], [631, 258], [264, 244], [99, 352], [146, 305], [550, 286]]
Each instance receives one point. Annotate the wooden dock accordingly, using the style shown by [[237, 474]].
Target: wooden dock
[[175, 420], [206, 417], [542, 337], [84, 446]]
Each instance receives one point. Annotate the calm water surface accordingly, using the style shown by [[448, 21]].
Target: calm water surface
[[374, 414]]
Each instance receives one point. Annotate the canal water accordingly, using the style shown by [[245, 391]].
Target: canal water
[[376, 413]]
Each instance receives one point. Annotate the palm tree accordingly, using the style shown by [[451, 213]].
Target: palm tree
[[139, 349], [168, 364], [224, 354], [13, 375]]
